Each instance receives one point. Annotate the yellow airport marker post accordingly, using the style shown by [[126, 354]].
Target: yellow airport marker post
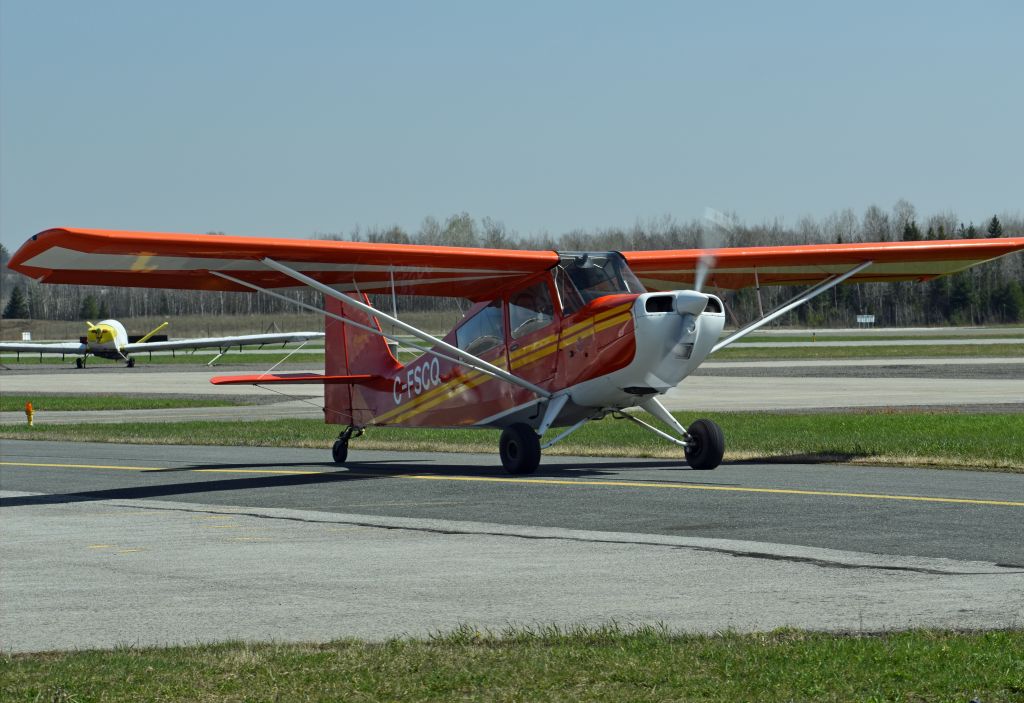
[[29, 412]]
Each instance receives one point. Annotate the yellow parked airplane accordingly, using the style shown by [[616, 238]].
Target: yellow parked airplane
[[108, 339]]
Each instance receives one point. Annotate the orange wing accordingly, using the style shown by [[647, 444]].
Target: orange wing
[[736, 268], [155, 260]]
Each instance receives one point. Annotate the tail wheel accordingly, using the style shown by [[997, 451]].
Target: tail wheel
[[520, 449], [707, 445], [339, 452]]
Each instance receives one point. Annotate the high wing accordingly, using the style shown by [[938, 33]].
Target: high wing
[[221, 342], [735, 268], [154, 260], [48, 348]]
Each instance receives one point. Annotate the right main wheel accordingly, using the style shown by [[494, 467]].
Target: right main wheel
[[708, 445], [520, 449]]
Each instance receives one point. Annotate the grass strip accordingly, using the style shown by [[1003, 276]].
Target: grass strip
[[55, 403], [989, 441], [544, 664]]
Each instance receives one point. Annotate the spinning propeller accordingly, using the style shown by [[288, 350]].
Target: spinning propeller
[[723, 224]]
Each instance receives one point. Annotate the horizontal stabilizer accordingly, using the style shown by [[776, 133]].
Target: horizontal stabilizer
[[265, 378]]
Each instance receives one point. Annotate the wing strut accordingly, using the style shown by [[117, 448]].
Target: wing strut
[[460, 356], [808, 295]]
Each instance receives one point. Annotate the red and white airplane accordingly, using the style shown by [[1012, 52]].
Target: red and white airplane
[[554, 339]]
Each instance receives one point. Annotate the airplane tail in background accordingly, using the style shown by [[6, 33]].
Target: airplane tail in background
[[352, 351]]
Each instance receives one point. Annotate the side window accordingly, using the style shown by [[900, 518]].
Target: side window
[[530, 309], [483, 331]]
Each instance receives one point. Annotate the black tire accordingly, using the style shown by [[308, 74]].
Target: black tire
[[79, 363], [339, 452], [708, 445], [131, 363], [520, 449]]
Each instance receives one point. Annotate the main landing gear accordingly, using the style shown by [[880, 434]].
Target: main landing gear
[[339, 452], [706, 445], [520, 449]]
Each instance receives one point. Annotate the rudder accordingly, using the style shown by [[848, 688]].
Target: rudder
[[349, 350]]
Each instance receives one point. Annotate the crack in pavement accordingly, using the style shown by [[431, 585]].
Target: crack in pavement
[[511, 532]]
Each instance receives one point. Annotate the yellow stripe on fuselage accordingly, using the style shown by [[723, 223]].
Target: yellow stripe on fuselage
[[529, 354]]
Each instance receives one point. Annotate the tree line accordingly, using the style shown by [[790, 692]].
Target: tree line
[[988, 294]]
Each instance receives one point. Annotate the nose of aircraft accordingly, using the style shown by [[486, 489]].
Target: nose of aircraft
[[677, 330]]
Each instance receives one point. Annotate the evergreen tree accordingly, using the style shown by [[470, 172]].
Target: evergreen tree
[[90, 309], [1008, 300], [972, 231], [995, 227], [17, 306], [963, 297], [911, 233]]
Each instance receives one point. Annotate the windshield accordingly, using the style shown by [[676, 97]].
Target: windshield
[[597, 274]]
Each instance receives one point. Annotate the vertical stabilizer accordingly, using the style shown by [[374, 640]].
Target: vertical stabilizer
[[349, 350]]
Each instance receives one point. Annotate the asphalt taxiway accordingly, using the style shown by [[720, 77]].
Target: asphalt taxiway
[[131, 544]]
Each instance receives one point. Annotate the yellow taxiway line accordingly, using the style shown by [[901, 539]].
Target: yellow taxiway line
[[562, 482]]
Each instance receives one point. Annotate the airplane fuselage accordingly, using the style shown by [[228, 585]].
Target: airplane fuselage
[[609, 352]]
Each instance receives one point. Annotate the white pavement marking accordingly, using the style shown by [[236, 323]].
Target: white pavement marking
[[791, 393], [163, 577], [883, 343]]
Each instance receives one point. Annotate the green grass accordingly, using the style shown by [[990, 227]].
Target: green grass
[[548, 664], [944, 439], [55, 403]]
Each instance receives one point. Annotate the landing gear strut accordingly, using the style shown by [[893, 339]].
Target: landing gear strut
[[706, 445], [520, 449], [339, 452]]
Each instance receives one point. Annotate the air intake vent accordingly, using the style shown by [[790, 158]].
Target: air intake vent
[[639, 390], [659, 303], [714, 304]]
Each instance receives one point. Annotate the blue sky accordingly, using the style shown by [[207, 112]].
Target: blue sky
[[290, 119]]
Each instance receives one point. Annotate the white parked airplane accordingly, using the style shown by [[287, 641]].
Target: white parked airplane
[[109, 340]]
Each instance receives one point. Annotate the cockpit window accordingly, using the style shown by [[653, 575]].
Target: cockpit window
[[595, 275]]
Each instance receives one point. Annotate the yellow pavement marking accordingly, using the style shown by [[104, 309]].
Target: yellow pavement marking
[[731, 489], [580, 482], [82, 466], [100, 546], [160, 469]]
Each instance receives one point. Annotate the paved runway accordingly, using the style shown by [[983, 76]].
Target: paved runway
[[117, 544]]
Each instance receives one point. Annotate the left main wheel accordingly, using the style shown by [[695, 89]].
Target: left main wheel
[[520, 449], [339, 452]]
